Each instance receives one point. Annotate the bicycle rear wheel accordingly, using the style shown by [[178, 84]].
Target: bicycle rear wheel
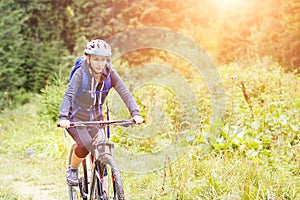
[[74, 193]]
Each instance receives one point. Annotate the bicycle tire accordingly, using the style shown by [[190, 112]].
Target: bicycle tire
[[107, 163], [95, 185]]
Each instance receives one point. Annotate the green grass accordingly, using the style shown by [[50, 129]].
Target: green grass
[[255, 157], [32, 156], [31, 178]]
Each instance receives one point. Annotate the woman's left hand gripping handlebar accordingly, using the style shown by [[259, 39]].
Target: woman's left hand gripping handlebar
[[138, 119]]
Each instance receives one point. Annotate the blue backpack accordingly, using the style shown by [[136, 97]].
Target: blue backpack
[[85, 79]]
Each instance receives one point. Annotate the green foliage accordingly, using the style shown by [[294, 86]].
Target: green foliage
[[6, 193], [51, 97], [11, 19], [37, 35], [230, 32], [259, 123], [31, 49], [255, 157], [257, 153], [162, 111], [24, 135]]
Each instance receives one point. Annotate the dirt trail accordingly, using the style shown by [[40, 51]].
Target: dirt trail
[[31, 179], [23, 190]]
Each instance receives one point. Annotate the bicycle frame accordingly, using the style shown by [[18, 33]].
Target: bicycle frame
[[92, 163]]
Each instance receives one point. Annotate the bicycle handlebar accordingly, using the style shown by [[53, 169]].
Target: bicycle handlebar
[[124, 123]]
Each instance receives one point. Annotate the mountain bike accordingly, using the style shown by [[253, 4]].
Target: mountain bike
[[99, 175]]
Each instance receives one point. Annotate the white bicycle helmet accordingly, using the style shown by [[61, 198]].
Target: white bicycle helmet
[[98, 47]]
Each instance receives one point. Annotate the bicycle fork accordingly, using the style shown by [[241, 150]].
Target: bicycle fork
[[101, 171]]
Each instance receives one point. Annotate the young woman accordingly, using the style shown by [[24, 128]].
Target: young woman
[[84, 97]]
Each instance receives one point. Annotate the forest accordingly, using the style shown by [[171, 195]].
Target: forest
[[222, 75], [38, 38]]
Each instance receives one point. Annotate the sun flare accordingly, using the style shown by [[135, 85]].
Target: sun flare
[[227, 3]]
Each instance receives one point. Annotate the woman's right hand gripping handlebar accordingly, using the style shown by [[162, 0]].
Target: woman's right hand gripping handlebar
[[64, 123]]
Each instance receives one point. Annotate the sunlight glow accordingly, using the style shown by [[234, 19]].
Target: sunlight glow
[[228, 3]]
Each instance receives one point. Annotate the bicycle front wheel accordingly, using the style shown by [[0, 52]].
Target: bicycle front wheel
[[109, 180]]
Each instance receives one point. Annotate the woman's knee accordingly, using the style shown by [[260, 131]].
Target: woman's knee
[[81, 151]]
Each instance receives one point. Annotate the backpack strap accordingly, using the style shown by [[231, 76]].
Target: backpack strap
[[107, 84], [79, 108], [84, 83]]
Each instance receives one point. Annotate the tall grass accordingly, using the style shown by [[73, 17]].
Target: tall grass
[[255, 157]]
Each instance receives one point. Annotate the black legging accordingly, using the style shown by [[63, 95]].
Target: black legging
[[83, 137]]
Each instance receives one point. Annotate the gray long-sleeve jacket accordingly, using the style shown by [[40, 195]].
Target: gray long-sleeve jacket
[[90, 103]]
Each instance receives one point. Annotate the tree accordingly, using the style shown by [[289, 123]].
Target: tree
[[12, 41], [31, 46]]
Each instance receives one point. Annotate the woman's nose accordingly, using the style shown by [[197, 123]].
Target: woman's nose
[[101, 64]]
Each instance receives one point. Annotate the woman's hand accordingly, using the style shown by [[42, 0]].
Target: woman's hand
[[64, 123], [138, 119]]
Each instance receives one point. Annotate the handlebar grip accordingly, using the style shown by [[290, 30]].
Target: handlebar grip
[[71, 124], [135, 121]]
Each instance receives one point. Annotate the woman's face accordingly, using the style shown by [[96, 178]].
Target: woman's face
[[97, 63]]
